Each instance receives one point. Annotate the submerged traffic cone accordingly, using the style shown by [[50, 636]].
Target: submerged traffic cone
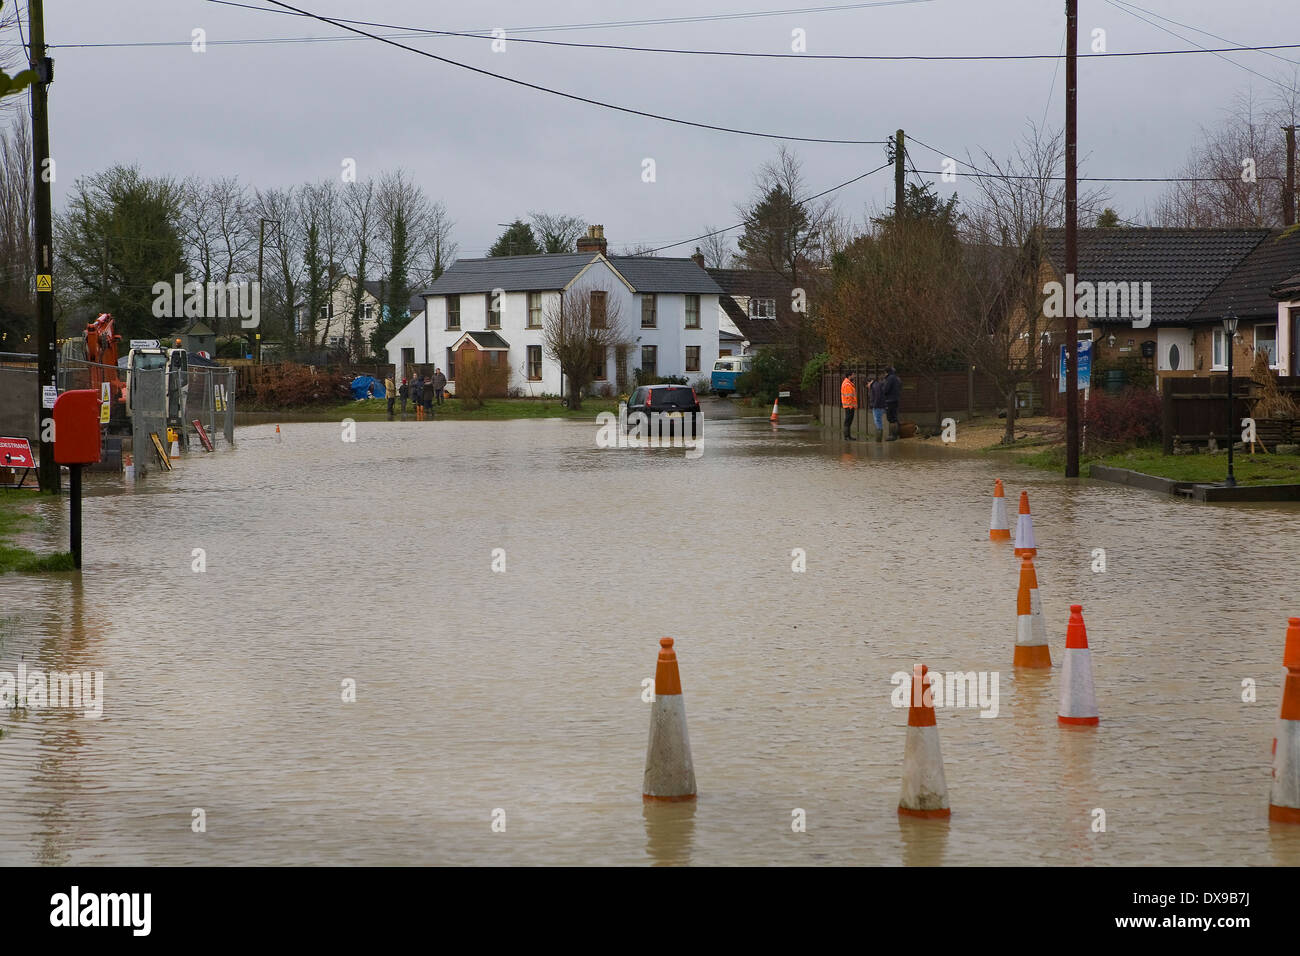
[[669, 774], [277, 433], [775, 402], [999, 530], [175, 450], [925, 791], [1078, 699], [1284, 796], [1025, 544], [1031, 626]]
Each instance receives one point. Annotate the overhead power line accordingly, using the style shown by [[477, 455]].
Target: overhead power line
[[574, 96]]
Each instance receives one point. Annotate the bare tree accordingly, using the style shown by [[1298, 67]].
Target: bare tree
[[17, 261], [282, 255], [1234, 177], [220, 234], [436, 249], [583, 327], [362, 212], [783, 230], [557, 232], [716, 248]]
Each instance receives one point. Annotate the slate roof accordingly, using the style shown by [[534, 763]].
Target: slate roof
[[1247, 289], [1288, 288], [556, 270], [487, 340], [1183, 265], [756, 284]]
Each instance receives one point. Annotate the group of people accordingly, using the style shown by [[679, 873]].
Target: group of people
[[422, 392], [883, 393]]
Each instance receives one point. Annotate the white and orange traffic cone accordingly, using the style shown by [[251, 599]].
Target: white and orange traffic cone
[[1031, 626], [1078, 698], [277, 433], [175, 450], [925, 791], [999, 530], [669, 774], [1284, 796], [1025, 544], [775, 403]]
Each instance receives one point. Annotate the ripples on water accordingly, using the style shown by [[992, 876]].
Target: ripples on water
[[521, 691]]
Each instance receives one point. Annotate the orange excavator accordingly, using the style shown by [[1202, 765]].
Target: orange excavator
[[101, 349]]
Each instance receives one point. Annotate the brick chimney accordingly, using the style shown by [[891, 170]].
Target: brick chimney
[[593, 241], [698, 258]]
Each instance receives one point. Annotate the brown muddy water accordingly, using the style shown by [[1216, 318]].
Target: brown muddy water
[[479, 691]]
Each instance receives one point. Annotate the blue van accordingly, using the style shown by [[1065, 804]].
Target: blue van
[[725, 371]]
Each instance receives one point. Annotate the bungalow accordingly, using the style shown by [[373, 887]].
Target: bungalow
[[667, 310], [1150, 292], [1265, 321]]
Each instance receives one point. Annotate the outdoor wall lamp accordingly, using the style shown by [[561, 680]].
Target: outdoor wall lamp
[[1230, 335], [1111, 340]]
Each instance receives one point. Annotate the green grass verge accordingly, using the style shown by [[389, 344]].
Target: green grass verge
[[1258, 469], [20, 559]]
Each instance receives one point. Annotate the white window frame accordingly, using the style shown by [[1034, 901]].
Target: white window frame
[[758, 308], [1217, 351], [1276, 363]]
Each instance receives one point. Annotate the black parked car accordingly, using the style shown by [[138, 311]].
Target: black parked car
[[674, 406]]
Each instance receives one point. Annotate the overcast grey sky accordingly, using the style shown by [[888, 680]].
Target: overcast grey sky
[[281, 113]]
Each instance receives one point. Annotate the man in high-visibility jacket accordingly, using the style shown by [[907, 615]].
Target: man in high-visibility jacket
[[849, 400]]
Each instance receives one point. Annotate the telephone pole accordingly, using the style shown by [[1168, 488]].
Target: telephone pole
[[1288, 191], [1071, 236], [899, 154], [47, 332]]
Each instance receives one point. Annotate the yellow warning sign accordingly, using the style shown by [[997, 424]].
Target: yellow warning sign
[[45, 283], [104, 410]]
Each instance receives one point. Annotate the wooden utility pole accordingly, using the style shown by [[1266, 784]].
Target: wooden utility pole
[[1288, 191], [47, 333], [1071, 237], [899, 154]]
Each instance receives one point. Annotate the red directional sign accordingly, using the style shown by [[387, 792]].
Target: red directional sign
[[16, 453]]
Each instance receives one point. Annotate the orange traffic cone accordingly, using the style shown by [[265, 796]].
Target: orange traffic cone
[[1284, 796], [775, 402], [277, 433], [669, 774], [1031, 626], [925, 791], [1078, 698], [999, 530], [1025, 544]]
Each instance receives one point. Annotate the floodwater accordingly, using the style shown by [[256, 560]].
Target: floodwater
[[517, 694]]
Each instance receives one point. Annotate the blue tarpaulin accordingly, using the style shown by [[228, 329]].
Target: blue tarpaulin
[[367, 386]]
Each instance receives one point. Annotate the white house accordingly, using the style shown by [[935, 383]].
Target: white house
[[667, 309], [334, 321]]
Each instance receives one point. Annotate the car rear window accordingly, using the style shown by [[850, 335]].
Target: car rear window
[[672, 396]]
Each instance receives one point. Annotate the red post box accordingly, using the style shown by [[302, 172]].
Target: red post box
[[76, 427]]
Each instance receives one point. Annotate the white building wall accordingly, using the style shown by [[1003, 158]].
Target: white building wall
[[670, 336]]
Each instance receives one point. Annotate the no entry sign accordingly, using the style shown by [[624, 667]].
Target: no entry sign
[[16, 453]]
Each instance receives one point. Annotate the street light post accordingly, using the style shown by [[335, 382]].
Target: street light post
[[1230, 335]]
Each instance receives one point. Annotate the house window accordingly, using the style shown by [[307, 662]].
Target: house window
[[599, 309], [762, 308], [534, 363], [324, 311], [650, 359], [534, 310], [1220, 356], [451, 365], [1266, 341], [692, 311], [692, 358], [453, 312], [722, 352], [367, 311], [336, 342], [598, 363], [494, 303], [648, 320]]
